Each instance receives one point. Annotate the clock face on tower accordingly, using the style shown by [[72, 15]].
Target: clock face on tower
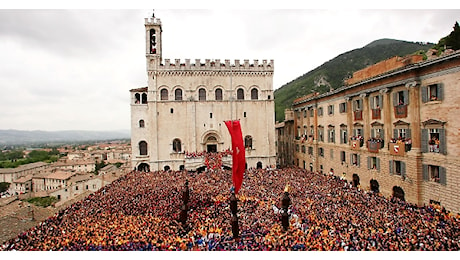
[[153, 44]]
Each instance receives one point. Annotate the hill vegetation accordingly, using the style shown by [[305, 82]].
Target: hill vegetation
[[331, 74]]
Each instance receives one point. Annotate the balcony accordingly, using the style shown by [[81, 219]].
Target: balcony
[[397, 149], [376, 113], [400, 111], [356, 143], [358, 115], [374, 144]]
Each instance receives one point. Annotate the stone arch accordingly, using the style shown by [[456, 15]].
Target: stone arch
[[143, 167], [164, 93], [166, 168], [211, 140], [218, 92], [255, 93], [142, 148], [355, 180], [259, 165], [398, 192], [375, 187], [178, 92]]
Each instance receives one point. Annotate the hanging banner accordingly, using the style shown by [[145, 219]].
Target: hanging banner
[[238, 154]]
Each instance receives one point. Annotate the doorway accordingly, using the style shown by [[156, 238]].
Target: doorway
[[355, 180], [375, 186], [143, 167], [211, 148], [398, 192]]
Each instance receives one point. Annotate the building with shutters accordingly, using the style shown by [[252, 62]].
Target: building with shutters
[[392, 128], [181, 112]]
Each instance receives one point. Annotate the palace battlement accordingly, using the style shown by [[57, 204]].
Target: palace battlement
[[218, 65]]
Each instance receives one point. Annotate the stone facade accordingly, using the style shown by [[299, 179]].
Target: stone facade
[[184, 106], [375, 131]]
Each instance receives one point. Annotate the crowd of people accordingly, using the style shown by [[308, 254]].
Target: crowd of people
[[140, 211]]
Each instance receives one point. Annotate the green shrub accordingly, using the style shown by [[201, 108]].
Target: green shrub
[[42, 201]]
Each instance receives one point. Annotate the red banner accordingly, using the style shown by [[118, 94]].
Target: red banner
[[238, 156]]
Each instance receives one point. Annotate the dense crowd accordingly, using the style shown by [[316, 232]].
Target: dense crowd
[[140, 211]]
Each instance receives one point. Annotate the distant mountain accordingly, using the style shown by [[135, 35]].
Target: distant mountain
[[20, 137], [331, 74]]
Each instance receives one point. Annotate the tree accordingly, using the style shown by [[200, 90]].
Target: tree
[[4, 186], [452, 40]]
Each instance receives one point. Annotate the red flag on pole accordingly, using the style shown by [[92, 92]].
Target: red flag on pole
[[238, 156]]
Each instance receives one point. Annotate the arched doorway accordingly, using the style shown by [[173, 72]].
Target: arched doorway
[[375, 186], [398, 192], [181, 167], [211, 141], [143, 167], [166, 168], [355, 180], [259, 165]]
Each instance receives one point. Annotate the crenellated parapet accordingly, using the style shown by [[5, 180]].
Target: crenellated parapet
[[217, 65]]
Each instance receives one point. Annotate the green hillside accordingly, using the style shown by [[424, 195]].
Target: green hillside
[[332, 73]]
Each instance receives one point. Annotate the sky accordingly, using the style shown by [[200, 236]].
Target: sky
[[71, 67]]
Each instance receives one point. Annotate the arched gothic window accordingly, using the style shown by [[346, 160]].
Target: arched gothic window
[[254, 94], [178, 94], [137, 96], [202, 94], [240, 94], [141, 123], [218, 94], [177, 145], [164, 94], [143, 148], [144, 98], [248, 142]]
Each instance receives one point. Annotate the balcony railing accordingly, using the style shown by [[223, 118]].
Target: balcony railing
[[356, 143], [400, 111], [376, 113], [373, 145], [358, 114]]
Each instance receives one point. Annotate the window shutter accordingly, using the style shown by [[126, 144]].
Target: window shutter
[[424, 140], [395, 133], [426, 177], [354, 105], [440, 91], [442, 141], [424, 90], [351, 158], [341, 136], [391, 167], [377, 163], [332, 109], [371, 100], [344, 107], [373, 133], [368, 162], [403, 169], [406, 97], [382, 135], [408, 133], [395, 99], [328, 136], [358, 159], [442, 175], [381, 101]]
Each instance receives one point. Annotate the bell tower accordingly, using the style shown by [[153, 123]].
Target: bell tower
[[153, 42]]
